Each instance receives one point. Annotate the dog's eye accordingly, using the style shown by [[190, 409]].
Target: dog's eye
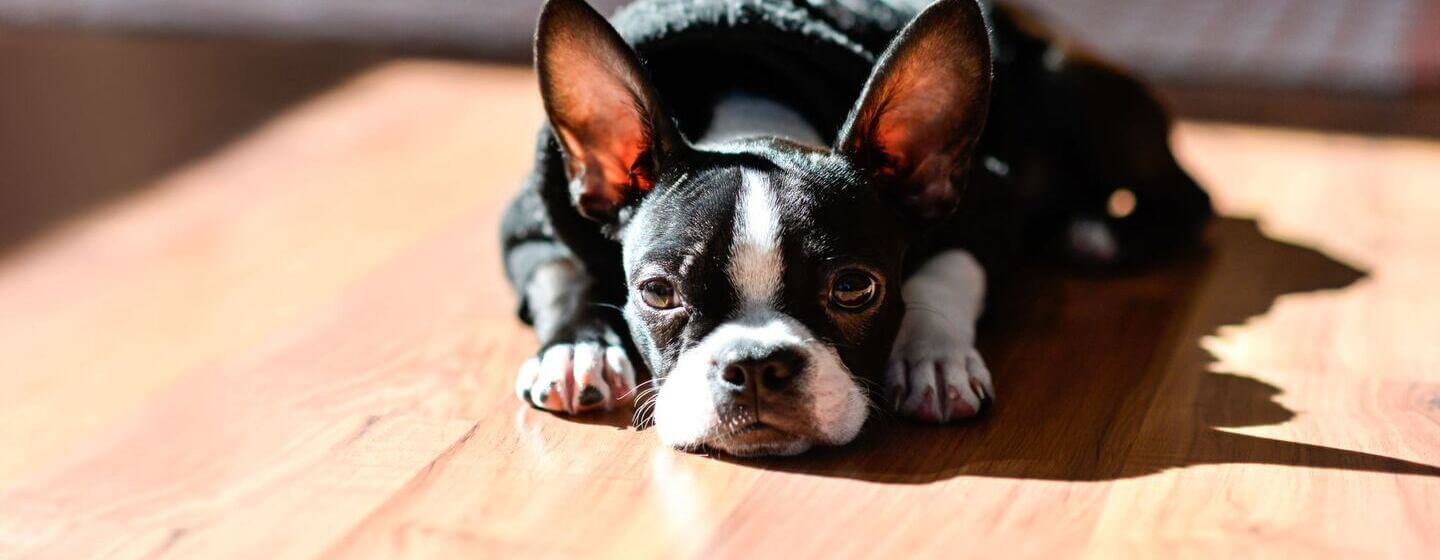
[[658, 294], [852, 290]]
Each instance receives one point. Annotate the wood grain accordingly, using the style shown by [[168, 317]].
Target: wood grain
[[302, 347]]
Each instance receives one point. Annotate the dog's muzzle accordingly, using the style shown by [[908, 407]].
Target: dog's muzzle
[[767, 389]]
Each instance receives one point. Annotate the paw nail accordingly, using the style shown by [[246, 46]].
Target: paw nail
[[927, 406], [551, 390], [980, 391], [591, 397]]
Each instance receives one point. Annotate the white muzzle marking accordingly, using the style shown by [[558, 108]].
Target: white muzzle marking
[[686, 414]]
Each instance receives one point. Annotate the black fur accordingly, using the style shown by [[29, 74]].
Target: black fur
[[1059, 140]]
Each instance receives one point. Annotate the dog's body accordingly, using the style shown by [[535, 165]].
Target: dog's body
[[763, 242]]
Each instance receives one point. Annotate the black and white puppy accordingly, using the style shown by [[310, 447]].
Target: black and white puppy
[[762, 215]]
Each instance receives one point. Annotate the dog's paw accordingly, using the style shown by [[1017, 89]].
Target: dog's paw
[[577, 378], [937, 383]]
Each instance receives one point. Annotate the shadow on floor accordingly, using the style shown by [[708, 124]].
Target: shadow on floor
[[89, 118], [1080, 362]]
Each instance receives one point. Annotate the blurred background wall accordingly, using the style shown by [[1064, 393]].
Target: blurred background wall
[[1343, 46], [98, 96], [85, 117]]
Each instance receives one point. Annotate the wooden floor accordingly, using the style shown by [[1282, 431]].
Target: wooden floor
[[302, 347]]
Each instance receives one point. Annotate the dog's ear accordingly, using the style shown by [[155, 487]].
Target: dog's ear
[[923, 109], [602, 108]]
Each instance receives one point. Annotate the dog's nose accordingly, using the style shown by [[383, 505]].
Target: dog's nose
[[773, 372]]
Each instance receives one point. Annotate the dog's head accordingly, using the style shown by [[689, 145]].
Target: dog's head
[[764, 276]]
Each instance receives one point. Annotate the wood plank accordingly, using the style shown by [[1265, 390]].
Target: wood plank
[[333, 349], [96, 317]]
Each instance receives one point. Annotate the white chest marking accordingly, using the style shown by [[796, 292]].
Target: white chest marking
[[756, 265], [741, 115]]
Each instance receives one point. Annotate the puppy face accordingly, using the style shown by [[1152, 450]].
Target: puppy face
[[756, 295], [764, 275]]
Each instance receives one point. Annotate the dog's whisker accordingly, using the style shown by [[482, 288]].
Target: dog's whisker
[[640, 388]]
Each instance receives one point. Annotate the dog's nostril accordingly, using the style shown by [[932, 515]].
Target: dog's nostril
[[773, 373], [733, 374], [775, 376]]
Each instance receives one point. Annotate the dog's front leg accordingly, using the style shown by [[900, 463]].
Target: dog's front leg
[[935, 374], [582, 365]]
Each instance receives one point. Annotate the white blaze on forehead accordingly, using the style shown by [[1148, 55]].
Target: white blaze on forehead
[[755, 260]]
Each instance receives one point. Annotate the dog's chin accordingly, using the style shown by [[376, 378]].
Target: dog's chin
[[759, 440]]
